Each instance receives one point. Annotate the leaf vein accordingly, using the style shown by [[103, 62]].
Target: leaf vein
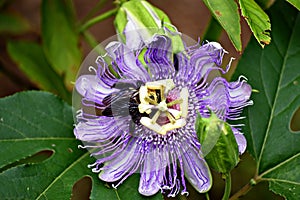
[[43, 193], [263, 84], [14, 129], [55, 119], [281, 180], [280, 164], [25, 120], [275, 98]]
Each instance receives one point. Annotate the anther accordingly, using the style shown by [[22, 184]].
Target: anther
[[150, 100], [172, 103], [155, 117]]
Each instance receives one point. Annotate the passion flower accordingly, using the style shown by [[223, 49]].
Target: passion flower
[[139, 117]]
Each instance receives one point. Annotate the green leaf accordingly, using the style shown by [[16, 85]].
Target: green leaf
[[60, 38], [257, 20], [274, 72], [227, 15], [34, 64], [12, 23], [34, 121], [213, 31], [295, 3], [264, 4]]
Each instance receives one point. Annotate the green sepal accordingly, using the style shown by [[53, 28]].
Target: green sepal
[[218, 143], [144, 16]]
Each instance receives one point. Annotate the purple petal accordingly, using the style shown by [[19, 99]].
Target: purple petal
[[92, 88], [135, 37], [126, 62], [158, 58], [215, 98], [239, 92], [202, 61], [152, 174], [225, 99], [184, 70], [100, 129], [240, 140], [125, 163], [196, 170]]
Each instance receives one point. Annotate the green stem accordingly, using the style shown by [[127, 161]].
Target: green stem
[[241, 192], [97, 19], [95, 8], [213, 31], [207, 196], [89, 38], [244, 190], [227, 186]]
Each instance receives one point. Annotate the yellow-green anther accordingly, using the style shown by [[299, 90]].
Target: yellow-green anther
[[172, 103]]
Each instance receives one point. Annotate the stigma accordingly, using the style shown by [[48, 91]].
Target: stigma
[[165, 113]]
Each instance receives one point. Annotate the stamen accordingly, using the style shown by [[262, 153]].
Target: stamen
[[150, 100], [172, 103], [171, 118], [162, 93], [155, 117], [162, 106], [153, 98]]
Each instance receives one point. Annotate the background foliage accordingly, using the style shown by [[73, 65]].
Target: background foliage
[[40, 158]]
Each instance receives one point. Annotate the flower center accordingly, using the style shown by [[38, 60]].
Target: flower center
[[166, 111]]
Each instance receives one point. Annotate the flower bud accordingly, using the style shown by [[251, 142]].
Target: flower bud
[[137, 21], [218, 143]]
